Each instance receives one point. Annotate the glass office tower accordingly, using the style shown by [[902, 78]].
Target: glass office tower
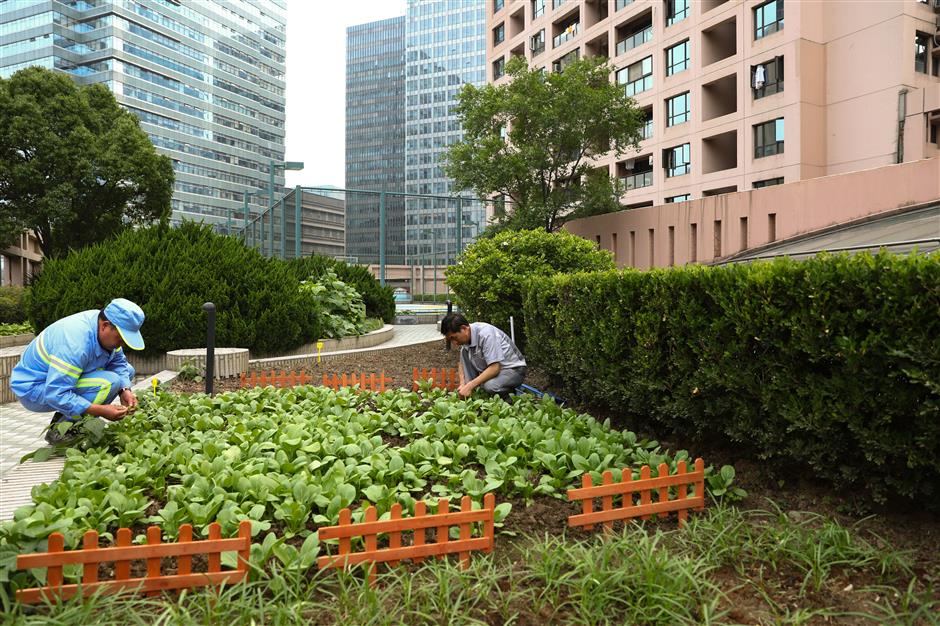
[[206, 80], [445, 49], [375, 138]]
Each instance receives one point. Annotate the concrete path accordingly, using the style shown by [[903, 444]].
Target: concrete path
[[21, 431]]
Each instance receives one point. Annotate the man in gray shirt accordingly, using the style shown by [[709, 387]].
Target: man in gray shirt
[[488, 357]]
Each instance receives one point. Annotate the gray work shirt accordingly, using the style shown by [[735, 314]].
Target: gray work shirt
[[489, 345]]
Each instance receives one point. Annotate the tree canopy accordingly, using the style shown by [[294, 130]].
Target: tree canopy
[[75, 167], [533, 141]]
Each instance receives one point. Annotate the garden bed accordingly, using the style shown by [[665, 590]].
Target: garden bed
[[784, 565]]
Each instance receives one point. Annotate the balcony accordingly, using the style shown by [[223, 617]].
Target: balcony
[[720, 97], [569, 32], [634, 40], [719, 42], [720, 152], [637, 181]]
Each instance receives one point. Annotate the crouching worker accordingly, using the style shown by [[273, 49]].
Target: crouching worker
[[76, 366], [488, 357]]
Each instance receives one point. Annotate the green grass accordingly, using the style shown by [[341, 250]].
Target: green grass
[[635, 576]]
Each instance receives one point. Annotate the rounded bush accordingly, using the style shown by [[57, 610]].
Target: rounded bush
[[489, 277], [12, 310], [170, 273]]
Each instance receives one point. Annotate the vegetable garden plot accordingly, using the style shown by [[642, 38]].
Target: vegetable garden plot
[[288, 460]]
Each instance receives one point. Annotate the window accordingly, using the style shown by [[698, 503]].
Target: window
[[680, 198], [566, 60], [677, 58], [921, 48], [646, 130], [499, 68], [677, 109], [768, 18], [677, 161], [767, 78], [537, 43], [768, 138], [637, 77], [498, 5], [770, 182], [499, 34], [538, 8], [621, 3], [676, 11]]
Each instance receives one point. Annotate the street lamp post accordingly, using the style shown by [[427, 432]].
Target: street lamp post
[[273, 165]]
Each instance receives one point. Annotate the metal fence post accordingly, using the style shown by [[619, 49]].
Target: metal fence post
[[298, 208], [209, 308]]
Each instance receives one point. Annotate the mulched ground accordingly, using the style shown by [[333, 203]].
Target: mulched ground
[[792, 491]]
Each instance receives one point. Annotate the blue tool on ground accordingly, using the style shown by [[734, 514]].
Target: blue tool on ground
[[538, 393]]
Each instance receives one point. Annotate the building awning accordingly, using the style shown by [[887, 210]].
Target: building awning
[[901, 232]]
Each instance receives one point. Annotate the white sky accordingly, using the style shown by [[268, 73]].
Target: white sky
[[316, 83]]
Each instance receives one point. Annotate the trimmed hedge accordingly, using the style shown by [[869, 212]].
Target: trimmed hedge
[[831, 363], [170, 273], [490, 275], [379, 300]]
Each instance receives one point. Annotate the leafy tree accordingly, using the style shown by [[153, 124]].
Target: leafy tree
[[533, 140], [74, 166]]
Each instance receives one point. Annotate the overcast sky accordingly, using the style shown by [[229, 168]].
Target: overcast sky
[[316, 82]]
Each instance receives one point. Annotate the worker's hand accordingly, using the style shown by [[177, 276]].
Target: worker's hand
[[112, 412], [129, 400], [465, 390]]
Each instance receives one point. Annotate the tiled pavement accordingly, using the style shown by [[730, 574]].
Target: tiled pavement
[[21, 431]]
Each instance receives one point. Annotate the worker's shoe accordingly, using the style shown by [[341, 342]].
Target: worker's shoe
[[55, 435]]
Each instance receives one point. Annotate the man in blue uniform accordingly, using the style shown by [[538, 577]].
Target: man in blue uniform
[[488, 358], [76, 366]]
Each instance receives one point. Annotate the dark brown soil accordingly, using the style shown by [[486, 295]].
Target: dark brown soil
[[396, 363]]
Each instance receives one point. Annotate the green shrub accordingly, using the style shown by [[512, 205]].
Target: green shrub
[[830, 364], [338, 307], [170, 273], [12, 310], [379, 300], [7, 330], [489, 276]]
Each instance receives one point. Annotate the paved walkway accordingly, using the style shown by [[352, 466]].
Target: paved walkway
[[21, 430]]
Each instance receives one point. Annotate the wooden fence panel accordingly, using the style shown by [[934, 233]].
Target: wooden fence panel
[[645, 486], [370, 529], [291, 379], [444, 378], [90, 555]]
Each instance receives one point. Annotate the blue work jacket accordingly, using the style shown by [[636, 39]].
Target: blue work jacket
[[64, 352]]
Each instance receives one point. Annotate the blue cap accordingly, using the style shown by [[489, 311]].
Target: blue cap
[[127, 317]]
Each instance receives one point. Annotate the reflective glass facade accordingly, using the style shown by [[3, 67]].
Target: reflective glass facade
[[375, 138], [205, 78], [445, 49]]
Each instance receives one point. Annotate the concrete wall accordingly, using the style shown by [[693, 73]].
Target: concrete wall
[[787, 210]]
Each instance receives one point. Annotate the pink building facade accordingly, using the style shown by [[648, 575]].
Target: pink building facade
[[746, 95]]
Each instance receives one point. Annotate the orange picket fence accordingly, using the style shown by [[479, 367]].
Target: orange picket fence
[[121, 555], [441, 378], [369, 529], [371, 382], [644, 507]]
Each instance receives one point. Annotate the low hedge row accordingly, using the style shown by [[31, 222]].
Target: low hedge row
[[831, 363]]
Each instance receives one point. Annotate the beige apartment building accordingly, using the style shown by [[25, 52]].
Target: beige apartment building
[[741, 94]]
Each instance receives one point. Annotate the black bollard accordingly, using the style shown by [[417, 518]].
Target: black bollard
[[209, 308], [450, 309]]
